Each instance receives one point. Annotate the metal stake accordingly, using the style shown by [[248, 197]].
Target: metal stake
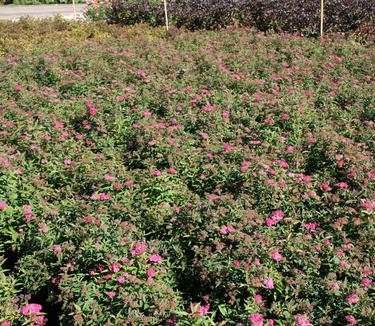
[[321, 17], [166, 15]]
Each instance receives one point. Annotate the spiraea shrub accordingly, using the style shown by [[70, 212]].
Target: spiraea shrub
[[208, 178]]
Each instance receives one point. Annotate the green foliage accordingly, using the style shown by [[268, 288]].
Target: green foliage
[[206, 178]]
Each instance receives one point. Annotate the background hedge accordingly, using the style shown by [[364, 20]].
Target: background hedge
[[290, 15]]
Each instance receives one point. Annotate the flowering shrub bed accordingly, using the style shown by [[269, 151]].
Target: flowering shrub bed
[[208, 178]]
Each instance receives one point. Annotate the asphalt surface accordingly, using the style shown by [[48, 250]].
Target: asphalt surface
[[10, 12]]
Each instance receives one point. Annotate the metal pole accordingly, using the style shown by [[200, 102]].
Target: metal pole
[[74, 9], [321, 17], [166, 15]]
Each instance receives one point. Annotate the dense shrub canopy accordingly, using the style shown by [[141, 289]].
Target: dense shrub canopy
[[290, 15], [203, 178]]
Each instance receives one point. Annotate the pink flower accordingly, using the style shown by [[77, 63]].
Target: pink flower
[[348, 245], [353, 299], [59, 125], [351, 320], [226, 229], [258, 298], [18, 88], [147, 114], [256, 262], [271, 322], [309, 236], [202, 309], [285, 117], [121, 279], [228, 147], [342, 185], [204, 135], [302, 321], [367, 205], [278, 215], [366, 282], [151, 272], [109, 178], [289, 149], [311, 140], [43, 228], [92, 108], [115, 267], [171, 171], [111, 294], [270, 221], [67, 162], [138, 249], [31, 309], [310, 226], [256, 320], [28, 214], [268, 282], [89, 219], [39, 319], [103, 196], [155, 259], [223, 230], [335, 287], [236, 263], [344, 264], [226, 115], [276, 256], [325, 187], [177, 209], [230, 228], [6, 323], [156, 172], [64, 134], [57, 248], [244, 166], [3, 205]]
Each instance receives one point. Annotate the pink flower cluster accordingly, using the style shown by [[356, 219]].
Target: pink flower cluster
[[33, 311], [256, 320], [302, 321], [202, 309], [155, 259], [28, 213], [226, 229], [276, 217], [138, 249], [3, 205]]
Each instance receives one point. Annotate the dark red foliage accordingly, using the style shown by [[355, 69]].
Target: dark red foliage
[[290, 15]]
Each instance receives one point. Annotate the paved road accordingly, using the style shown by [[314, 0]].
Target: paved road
[[41, 11]]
